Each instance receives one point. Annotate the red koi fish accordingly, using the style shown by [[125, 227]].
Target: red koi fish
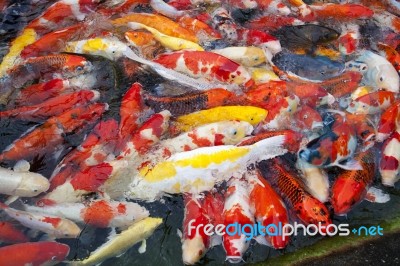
[[311, 94], [98, 213], [52, 42], [341, 12], [372, 103], [259, 38], [272, 22], [52, 107], [291, 143], [387, 122], [61, 13], [307, 208], [334, 148], [208, 65], [343, 84], [34, 253], [269, 209], [38, 93], [10, 234], [96, 147], [47, 137], [54, 226], [237, 210], [308, 119], [389, 166], [351, 186], [190, 102]]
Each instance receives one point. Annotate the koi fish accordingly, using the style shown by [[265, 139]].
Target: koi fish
[[272, 22], [351, 186], [158, 22], [315, 179], [389, 164], [236, 210], [10, 234], [168, 42], [377, 71], [52, 225], [268, 210], [342, 85], [387, 122], [341, 12], [98, 213], [200, 169], [311, 94], [22, 184], [308, 119], [317, 68], [52, 107], [49, 135], [250, 114], [34, 253], [194, 241], [334, 148], [207, 65], [40, 67], [307, 208], [245, 56], [120, 243], [372, 103], [190, 102]]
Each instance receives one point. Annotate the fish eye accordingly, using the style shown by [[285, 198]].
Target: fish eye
[[234, 132], [350, 65], [381, 79], [79, 68], [305, 116], [35, 190], [364, 68], [54, 258]]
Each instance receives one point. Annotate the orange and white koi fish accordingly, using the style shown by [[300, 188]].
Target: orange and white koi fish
[[98, 213], [22, 184], [10, 234], [52, 107], [47, 137], [52, 225], [200, 169], [389, 166], [236, 210], [351, 186], [391, 55], [34, 253], [268, 209], [206, 65], [372, 103]]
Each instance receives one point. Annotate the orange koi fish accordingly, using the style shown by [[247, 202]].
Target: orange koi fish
[[10, 234]]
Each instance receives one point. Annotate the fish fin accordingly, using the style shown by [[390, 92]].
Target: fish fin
[[22, 166], [376, 195], [260, 239], [11, 199], [350, 165], [142, 248], [215, 240]]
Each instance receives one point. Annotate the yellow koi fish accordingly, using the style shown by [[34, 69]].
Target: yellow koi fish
[[200, 169], [251, 114]]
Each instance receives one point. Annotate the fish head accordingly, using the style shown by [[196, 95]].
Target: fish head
[[57, 252], [346, 192], [67, 229], [318, 151], [235, 131], [193, 249], [387, 78], [76, 65], [308, 118], [32, 185], [312, 211]]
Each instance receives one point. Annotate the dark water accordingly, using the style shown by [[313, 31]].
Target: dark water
[[163, 247]]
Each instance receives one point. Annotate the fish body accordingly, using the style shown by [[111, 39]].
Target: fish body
[[341, 12], [377, 71], [317, 68], [200, 169], [268, 209], [387, 122], [391, 55], [207, 65], [343, 84], [34, 253], [10, 234], [351, 186], [389, 166], [22, 184], [311, 94], [236, 210], [246, 56], [250, 114], [120, 243], [54, 226], [98, 213]]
